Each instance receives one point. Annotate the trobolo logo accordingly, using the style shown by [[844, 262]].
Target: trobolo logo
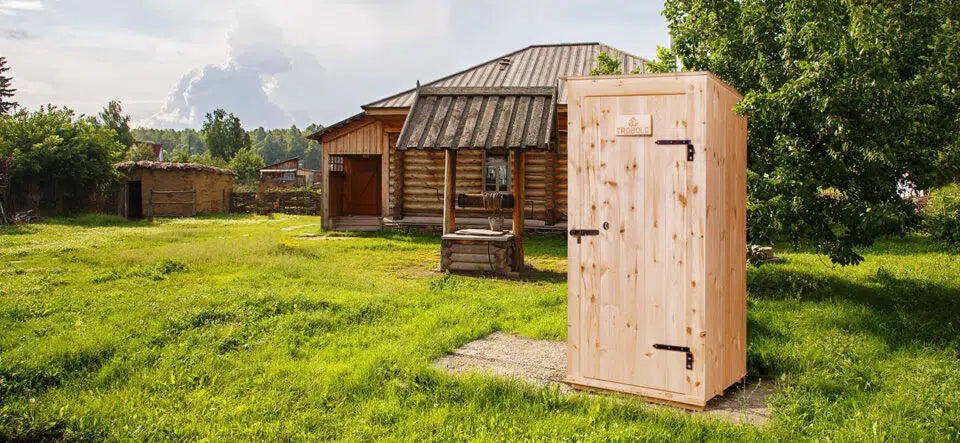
[[632, 126]]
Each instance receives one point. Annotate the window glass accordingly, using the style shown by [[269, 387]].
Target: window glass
[[496, 173]]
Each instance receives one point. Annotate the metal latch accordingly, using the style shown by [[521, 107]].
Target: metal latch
[[581, 232], [690, 150], [678, 349]]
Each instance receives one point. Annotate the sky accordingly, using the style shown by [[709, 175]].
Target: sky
[[282, 62]]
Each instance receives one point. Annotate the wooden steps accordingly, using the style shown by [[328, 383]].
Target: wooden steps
[[356, 223]]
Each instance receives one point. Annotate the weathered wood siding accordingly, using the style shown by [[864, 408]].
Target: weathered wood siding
[[415, 177], [364, 137], [423, 180], [562, 181]]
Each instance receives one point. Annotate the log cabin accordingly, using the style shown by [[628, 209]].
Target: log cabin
[[369, 184]]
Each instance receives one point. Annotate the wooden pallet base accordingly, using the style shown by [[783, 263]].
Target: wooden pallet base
[[662, 401]]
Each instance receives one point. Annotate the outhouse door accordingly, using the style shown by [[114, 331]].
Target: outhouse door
[[633, 276]]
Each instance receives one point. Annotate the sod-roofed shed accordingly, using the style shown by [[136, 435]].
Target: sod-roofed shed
[[160, 189]]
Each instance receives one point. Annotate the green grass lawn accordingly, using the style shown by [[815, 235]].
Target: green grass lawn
[[243, 328]]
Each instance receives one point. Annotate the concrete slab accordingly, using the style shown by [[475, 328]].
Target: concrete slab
[[543, 363]]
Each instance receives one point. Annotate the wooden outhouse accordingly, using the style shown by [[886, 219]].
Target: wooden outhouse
[[657, 224]]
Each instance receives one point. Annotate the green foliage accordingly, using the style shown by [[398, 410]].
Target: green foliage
[[141, 151], [947, 169], [61, 157], [6, 90], [276, 145], [223, 135], [246, 164], [113, 118], [173, 140], [607, 65], [248, 328], [273, 145], [207, 159], [846, 97], [180, 156], [942, 214], [665, 61]]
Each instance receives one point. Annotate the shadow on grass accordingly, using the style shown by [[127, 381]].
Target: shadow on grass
[[95, 221], [16, 230], [902, 312], [532, 274]]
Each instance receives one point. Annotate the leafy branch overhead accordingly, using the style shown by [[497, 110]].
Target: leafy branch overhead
[[847, 103]]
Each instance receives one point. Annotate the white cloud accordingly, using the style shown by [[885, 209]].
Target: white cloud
[[282, 61], [261, 82], [12, 7]]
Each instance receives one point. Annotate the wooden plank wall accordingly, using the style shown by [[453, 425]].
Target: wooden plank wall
[[367, 138], [422, 184], [560, 192], [726, 157], [423, 181]]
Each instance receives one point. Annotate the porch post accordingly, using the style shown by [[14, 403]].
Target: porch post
[[325, 189], [398, 184], [449, 190], [518, 204]]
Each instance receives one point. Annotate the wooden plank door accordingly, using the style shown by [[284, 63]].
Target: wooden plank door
[[363, 185], [631, 280]]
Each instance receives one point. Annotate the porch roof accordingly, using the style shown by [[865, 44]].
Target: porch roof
[[490, 118]]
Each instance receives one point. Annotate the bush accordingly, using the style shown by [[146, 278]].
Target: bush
[[942, 217], [58, 158]]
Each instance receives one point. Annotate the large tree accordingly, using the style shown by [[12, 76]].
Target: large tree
[[57, 157], [6, 91], [223, 135], [112, 117], [846, 101]]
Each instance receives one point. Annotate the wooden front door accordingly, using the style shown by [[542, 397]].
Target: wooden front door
[[631, 279], [362, 187]]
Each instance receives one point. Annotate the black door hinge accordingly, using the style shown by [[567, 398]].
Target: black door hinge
[[678, 349], [690, 150], [581, 232]]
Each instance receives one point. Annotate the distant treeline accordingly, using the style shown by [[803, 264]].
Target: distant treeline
[[273, 145]]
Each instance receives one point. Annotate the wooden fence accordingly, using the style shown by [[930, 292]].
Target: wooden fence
[[172, 203], [287, 202]]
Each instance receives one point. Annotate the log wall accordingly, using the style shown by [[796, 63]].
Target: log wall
[[414, 179]]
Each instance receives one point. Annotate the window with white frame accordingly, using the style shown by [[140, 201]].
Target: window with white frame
[[496, 172]]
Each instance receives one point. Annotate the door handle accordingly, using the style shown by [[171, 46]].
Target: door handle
[[581, 232]]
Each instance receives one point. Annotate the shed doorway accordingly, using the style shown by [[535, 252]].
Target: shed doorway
[[361, 188], [134, 200]]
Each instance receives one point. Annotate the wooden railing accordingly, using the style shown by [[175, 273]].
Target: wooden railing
[[287, 202]]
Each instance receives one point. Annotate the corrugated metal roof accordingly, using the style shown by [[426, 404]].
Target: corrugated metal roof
[[533, 66], [480, 118], [319, 133]]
